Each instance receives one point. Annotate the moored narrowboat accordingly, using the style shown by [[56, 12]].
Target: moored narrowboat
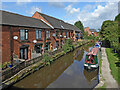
[[97, 45], [92, 58]]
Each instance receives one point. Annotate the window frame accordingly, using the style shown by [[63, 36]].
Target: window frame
[[61, 33], [23, 34], [69, 34], [48, 34], [38, 34], [57, 33], [57, 44], [66, 33]]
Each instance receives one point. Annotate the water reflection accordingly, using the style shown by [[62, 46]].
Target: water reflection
[[91, 75], [66, 72], [78, 54]]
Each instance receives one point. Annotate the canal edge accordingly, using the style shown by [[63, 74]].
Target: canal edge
[[27, 71], [101, 78]]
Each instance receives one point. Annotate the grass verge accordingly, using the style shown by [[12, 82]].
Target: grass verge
[[100, 63], [102, 87], [114, 62]]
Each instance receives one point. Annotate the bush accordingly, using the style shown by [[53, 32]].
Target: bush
[[5, 65], [68, 46], [46, 58]]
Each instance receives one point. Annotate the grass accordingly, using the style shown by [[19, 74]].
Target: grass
[[102, 87], [114, 61], [100, 64]]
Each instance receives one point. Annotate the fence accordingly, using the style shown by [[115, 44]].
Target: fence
[[9, 72]]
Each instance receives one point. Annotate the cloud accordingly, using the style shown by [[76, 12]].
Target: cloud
[[20, 2], [71, 10], [33, 10], [57, 4], [99, 14]]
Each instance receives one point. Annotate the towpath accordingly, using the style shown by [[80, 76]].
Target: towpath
[[106, 72]]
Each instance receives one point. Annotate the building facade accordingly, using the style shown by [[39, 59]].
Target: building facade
[[25, 37], [91, 31]]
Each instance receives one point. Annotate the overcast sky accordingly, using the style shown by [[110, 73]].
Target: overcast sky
[[91, 14]]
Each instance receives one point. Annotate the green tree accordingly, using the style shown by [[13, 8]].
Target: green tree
[[110, 33], [117, 18], [79, 25]]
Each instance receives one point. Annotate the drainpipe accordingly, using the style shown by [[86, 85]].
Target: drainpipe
[[44, 40], [11, 46]]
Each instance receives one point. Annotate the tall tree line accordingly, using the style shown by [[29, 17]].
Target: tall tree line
[[110, 33]]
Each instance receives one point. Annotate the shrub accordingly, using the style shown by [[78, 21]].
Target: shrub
[[46, 58], [68, 46]]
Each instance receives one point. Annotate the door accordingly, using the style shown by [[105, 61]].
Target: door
[[38, 48], [24, 53]]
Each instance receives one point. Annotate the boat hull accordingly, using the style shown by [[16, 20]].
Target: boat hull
[[91, 66]]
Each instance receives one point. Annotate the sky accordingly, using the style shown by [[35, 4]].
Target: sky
[[91, 14]]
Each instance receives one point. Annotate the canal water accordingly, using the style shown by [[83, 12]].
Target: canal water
[[66, 72]]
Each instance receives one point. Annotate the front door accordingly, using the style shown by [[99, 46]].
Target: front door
[[24, 53], [38, 48]]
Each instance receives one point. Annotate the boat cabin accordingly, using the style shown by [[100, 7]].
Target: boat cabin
[[91, 59]]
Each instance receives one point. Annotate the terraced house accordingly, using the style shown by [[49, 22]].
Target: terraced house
[[28, 37]]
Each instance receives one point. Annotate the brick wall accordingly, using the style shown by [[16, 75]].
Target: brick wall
[[5, 44], [6, 49]]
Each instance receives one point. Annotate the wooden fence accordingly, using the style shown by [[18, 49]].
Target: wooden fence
[[9, 72]]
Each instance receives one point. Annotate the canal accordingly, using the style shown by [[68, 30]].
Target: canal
[[66, 72]]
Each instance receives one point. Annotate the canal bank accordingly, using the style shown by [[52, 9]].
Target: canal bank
[[106, 79], [109, 80], [66, 72], [31, 69]]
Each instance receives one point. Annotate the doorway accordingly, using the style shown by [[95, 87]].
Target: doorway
[[24, 52]]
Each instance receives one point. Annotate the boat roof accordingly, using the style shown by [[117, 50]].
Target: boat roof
[[93, 51]]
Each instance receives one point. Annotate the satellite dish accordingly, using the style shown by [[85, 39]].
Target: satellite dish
[[34, 41], [15, 37]]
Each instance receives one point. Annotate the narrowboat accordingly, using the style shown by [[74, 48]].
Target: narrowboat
[[97, 45], [92, 58]]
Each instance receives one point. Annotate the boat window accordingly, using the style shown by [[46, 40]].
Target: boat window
[[92, 59]]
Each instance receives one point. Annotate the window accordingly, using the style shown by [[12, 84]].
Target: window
[[47, 34], [66, 34], [38, 34], [61, 43], [69, 34], [47, 46], [57, 44], [23, 34], [57, 33], [61, 32]]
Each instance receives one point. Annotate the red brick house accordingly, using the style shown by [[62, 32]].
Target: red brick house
[[28, 37], [91, 31], [60, 27]]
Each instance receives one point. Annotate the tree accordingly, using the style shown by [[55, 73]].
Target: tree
[[117, 18], [79, 25], [110, 34]]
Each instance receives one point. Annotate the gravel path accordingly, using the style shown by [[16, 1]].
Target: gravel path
[[106, 72]]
